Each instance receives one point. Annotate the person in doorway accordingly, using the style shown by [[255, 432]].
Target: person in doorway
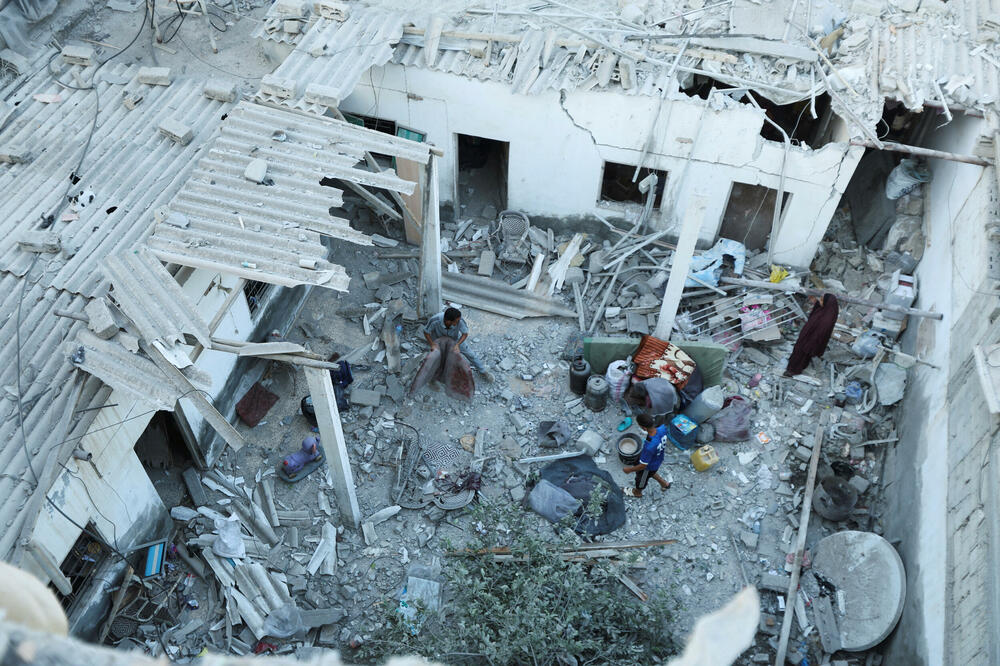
[[650, 459], [450, 324], [815, 334], [655, 396]]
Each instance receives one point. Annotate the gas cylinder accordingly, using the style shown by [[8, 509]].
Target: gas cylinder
[[579, 371], [598, 391]]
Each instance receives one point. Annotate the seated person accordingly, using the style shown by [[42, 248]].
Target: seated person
[[655, 396]]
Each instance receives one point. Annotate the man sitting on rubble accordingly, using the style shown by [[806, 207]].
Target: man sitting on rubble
[[451, 324], [655, 396], [650, 459]]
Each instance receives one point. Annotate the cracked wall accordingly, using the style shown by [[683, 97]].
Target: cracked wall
[[560, 140]]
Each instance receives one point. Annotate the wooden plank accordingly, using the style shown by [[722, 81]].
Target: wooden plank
[[412, 171], [633, 587], [376, 204], [800, 543]]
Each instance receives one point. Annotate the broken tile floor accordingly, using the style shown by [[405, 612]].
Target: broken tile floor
[[733, 524]]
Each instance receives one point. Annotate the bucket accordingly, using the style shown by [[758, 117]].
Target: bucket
[[629, 448]]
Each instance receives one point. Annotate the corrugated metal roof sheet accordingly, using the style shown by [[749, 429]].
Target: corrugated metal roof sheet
[[271, 27], [335, 54], [45, 383], [271, 232], [150, 297], [130, 168]]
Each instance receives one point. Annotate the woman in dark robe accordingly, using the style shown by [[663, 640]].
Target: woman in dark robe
[[815, 334]]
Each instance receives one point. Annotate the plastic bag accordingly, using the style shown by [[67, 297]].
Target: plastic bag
[[732, 422], [618, 378], [284, 621], [906, 177], [867, 344], [552, 502], [229, 543]]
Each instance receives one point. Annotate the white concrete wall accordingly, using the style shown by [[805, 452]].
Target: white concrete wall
[[557, 149], [112, 490], [935, 475]]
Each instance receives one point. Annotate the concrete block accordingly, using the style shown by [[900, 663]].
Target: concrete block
[[101, 322], [487, 260], [39, 241], [803, 453], [220, 90], [331, 9], [73, 54], [154, 76], [14, 153], [323, 95], [289, 8], [256, 171], [176, 131], [826, 623], [860, 483], [365, 398], [321, 617], [749, 539], [769, 624], [773, 582], [291, 26], [283, 88]]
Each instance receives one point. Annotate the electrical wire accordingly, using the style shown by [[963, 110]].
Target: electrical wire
[[20, 391]]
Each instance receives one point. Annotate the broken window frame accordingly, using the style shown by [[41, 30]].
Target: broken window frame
[[661, 186], [79, 570], [256, 294]]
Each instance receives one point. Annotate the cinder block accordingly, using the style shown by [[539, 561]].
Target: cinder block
[[101, 322], [486, 262], [39, 241], [331, 10], [256, 171], [176, 131], [325, 95], [73, 54], [289, 8], [283, 88], [291, 26], [154, 76], [220, 90], [14, 153]]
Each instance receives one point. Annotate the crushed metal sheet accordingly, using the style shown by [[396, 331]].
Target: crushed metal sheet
[[150, 297], [499, 297], [270, 231]]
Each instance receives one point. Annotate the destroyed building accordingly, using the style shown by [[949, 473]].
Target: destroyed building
[[191, 227]]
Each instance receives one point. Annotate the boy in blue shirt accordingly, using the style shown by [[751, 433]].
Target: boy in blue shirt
[[650, 459]]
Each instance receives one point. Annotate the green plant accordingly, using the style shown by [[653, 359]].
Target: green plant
[[530, 606]]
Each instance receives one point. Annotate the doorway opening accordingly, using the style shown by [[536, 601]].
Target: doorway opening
[[481, 179], [162, 445], [749, 214]]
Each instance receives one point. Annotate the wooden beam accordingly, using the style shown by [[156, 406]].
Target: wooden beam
[[377, 204], [332, 435], [800, 544]]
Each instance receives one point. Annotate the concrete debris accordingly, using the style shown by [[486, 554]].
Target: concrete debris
[[176, 131], [100, 319], [154, 76], [220, 90], [74, 54], [39, 241]]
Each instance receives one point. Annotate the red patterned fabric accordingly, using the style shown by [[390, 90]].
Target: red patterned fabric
[[658, 358]]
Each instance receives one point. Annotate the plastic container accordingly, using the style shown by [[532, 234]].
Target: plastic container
[[683, 432], [579, 372], [598, 390], [629, 448], [704, 458], [707, 403]]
